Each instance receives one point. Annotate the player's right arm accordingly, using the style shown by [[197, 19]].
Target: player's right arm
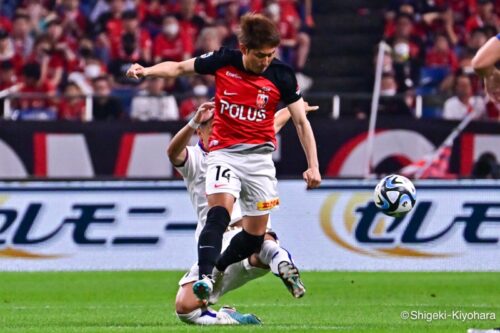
[[176, 151], [165, 69], [306, 137]]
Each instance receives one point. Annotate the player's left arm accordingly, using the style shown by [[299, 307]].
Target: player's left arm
[[176, 150], [306, 136], [282, 116]]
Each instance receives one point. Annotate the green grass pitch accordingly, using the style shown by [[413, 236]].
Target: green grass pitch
[[335, 302]]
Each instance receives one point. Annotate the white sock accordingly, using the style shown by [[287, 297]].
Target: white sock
[[199, 317], [272, 254]]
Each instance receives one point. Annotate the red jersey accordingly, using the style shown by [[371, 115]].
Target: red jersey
[[439, 59], [171, 49], [245, 102]]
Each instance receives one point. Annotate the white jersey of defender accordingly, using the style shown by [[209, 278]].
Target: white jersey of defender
[[193, 171]]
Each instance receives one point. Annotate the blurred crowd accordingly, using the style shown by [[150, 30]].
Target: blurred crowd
[[430, 45], [69, 49]]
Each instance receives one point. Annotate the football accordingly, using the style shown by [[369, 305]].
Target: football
[[395, 195]]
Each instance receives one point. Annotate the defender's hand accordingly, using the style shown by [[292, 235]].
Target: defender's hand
[[205, 112], [312, 177]]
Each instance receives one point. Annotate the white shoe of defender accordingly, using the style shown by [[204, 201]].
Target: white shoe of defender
[[203, 288], [290, 276], [224, 318], [228, 315], [493, 330]]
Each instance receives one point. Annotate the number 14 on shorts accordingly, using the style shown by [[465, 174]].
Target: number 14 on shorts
[[220, 177], [222, 173]]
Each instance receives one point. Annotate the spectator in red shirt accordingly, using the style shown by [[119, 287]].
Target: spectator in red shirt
[[40, 54], [21, 35], [151, 15], [404, 27], [61, 55], [37, 106], [441, 55], [408, 53], [289, 11], [131, 25], [190, 22], [7, 75], [109, 28], [74, 20], [86, 61], [8, 52], [485, 16], [72, 105], [129, 54], [291, 39], [208, 9], [172, 44]]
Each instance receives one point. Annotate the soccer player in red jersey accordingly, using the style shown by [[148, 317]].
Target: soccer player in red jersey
[[250, 83]]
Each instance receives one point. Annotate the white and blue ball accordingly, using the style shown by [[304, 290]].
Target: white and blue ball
[[395, 195]]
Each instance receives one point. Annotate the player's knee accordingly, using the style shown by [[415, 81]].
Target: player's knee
[[218, 219], [252, 242]]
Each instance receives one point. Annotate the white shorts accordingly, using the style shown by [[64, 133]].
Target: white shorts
[[235, 275], [249, 177]]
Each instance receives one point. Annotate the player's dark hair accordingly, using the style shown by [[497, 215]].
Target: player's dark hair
[[257, 31]]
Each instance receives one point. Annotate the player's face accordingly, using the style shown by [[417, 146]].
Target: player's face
[[258, 60]]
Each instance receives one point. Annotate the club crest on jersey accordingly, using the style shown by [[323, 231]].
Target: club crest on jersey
[[262, 100]]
